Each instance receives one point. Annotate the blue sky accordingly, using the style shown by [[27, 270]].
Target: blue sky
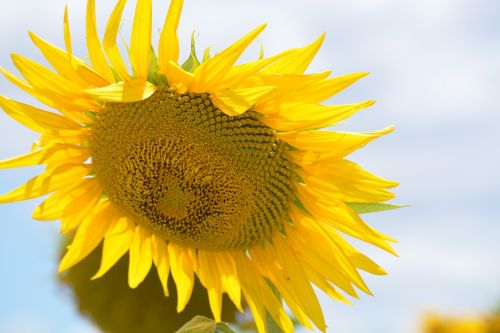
[[435, 73]]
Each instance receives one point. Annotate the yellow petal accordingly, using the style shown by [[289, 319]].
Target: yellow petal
[[355, 187], [228, 276], [140, 42], [340, 217], [94, 45], [123, 92], [109, 42], [358, 259], [311, 116], [239, 74], [36, 119], [53, 100], [67, 32], [177, 77], [331, 144], [331, 243], [76, 210], [47, 182], [44, 79], [53, 207], [210, 279], [269, 268], [67, 65], [297, 280], [333, 267], [33, 158], [214, 70], [161, 261], [168, 48], [323, 284], [234, 102], [141, 257], [117, 242], [260, 296], [297, 61], [322, 90], [88, 236], [181, 264], [45, 155]]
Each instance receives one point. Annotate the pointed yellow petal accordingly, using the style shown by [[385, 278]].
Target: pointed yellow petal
[[338, 215], [36, 119], [320, 91], [140, 42], [323, 284], [239, 74], [53, 207], [33, 158], [109, 42], [269, 268], [141, 257], [68, 66], [210, 279], [297, 61], [177, 77], [117, 242], [161, 261], [81, 206], [168, 48], [94, 45], [123, 92], [44, 79], [53, 100], [181, 264], [234, 102], [337, 271], [47, 182], [297, 279], [353, 182], [67, 33], [54, 154], [260, 296], [311, 116], [358, 259], [228, 276], [331, 144], [214, 70], [88, 236]]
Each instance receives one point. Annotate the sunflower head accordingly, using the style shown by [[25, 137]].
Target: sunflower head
[[212, 170]]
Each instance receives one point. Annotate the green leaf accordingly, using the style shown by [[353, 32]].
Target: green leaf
[[192, 62], [362, 208], [200, 324]]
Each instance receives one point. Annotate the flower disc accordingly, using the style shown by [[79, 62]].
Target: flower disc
[[191, 173]]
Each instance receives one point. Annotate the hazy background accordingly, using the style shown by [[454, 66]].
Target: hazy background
[[435, 72]]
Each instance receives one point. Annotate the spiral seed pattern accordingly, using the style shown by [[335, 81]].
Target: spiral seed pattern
[[190, 173]]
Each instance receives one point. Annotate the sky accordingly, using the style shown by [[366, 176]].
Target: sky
[[435, 72]]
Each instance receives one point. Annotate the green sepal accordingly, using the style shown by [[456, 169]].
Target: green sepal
[[206, 54], [363, 208], [200, 324], [154, 66], [192, 62]]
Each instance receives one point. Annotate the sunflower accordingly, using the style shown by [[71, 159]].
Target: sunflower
[[208, 170]]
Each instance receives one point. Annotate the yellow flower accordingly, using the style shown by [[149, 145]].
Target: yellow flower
[[214, 170], [442, 324]]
